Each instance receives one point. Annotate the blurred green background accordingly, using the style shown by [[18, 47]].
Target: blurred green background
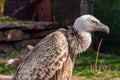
[[108, 11]]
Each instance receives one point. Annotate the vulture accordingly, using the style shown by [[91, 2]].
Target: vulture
[[54, 56]]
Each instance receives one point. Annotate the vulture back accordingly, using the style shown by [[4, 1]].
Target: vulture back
[[49, 60]]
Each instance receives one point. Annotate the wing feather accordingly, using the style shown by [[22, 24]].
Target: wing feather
[[45, 59]]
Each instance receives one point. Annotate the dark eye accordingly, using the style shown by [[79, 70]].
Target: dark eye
[[94, 22]]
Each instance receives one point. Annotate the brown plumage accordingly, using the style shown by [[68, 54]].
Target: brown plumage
[[53, 57]]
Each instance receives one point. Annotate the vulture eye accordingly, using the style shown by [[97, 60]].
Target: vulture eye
[[94, 22]]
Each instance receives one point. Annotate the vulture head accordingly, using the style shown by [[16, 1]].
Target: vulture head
[[84, 25], [88, 23]]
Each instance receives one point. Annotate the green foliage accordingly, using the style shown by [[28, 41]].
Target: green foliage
[[6, 18], [108, 66], [7, 70], [108, 11], [1, 60], [2, 52], [114, 51]]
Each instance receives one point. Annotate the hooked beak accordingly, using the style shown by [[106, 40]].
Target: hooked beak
[[103, 28]]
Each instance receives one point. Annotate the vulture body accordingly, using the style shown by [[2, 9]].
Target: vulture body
[[53, 57]]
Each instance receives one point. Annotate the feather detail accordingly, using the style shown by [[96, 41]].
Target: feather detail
[[53, 57], [78, 42], [44, 59]]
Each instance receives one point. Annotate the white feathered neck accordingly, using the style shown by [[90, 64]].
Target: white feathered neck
[[84, 36], [78, 42]]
